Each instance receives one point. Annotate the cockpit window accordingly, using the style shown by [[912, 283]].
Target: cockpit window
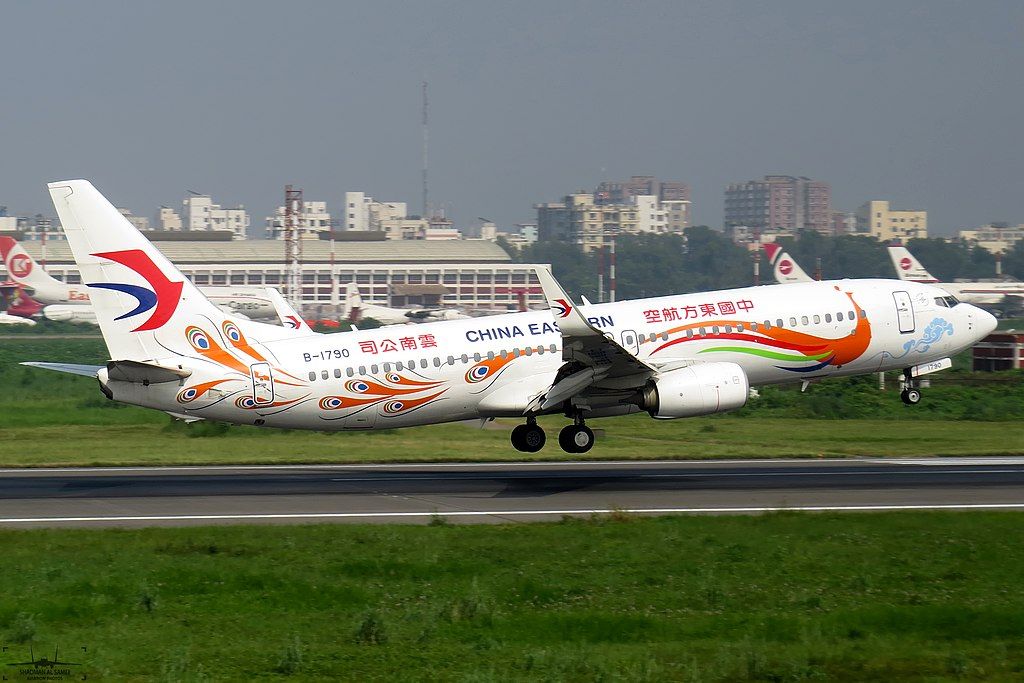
[[946, 301]]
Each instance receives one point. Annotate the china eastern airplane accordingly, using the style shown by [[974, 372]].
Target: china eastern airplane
[[981, 292], [673, 356], [70, 303]]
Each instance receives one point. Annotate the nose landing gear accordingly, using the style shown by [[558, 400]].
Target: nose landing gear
[[909, 395]]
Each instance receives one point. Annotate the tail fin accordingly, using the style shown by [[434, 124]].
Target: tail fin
[[907, 267], [24, 270], [353, 302], [145, 307], [784, 267], [288, 315]]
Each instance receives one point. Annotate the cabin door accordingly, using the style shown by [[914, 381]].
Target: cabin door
[[262, 384], [904, 312], [631, 342]]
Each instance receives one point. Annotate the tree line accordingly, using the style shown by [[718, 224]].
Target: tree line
[[704, 259]]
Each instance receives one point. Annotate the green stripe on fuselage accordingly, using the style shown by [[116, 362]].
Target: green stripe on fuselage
[[773, 355]]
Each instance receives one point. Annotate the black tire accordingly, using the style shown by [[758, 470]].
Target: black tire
[[533, 438], [589, 434], [518, 442], [566, 438], [571, 436]]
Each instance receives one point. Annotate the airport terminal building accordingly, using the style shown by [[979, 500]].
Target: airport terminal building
[[470, 274]]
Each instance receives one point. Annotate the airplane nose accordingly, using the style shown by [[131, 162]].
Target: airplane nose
[[984, 322]]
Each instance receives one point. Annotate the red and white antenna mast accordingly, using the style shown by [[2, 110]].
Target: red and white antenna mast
[[293, 246]]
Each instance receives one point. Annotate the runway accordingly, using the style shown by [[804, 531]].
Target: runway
[[496, 492]]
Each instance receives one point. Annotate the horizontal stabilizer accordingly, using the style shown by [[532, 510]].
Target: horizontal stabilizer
[[70, 368], [144, 373]]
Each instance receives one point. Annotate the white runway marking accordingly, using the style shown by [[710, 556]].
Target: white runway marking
[[512, 513], [1005, 460]]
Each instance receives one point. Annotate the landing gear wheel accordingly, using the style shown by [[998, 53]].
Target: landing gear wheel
[[576, 438], [910, 396], [528, 438]]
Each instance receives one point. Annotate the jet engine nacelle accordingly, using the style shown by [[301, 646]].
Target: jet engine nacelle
[[700, 389]]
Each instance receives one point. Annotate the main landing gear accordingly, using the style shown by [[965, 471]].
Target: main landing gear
[[574, 438], [910, 395], [529, 437]]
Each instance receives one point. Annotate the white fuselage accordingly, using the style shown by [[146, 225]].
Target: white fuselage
[[487, 367]]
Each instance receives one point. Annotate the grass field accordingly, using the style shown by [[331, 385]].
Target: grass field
[[52, 419], [785, 597]]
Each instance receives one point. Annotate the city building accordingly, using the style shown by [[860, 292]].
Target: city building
[[314, 221], [780, 202], [995, 237], [169, 219], [363, 212], [553, 222], [140, 222], [475, 274], [200, 214], [844, 223], [672, 196], [876, 218], [582, 219]]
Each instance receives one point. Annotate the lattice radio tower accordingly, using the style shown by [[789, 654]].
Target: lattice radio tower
[[293, 246]]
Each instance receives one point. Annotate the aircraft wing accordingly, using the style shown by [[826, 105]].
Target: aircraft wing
[[593, 360]]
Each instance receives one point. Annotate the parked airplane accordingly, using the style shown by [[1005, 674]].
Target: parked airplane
[[673, 356], [356, 310], [979, 292], [784, 268], [70, 302]]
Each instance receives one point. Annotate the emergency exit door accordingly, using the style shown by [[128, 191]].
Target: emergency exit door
[[262, 384], [904, 312]]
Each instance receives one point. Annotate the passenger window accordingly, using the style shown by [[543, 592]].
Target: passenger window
[[451, 360], [804, 320], [839, 317], [399, 366], [476, 357], [312, 377], [778, 323], [362, 369], [863, 314], [739, 327], [465, 358], [540, 349], [792, 322], [817, 319], [437, 362], [689, 334], [554, 349], [664, 336], [387, 367], [753, 327], [703, 332], [324, 374], [767, 324], [350, 372], [714, 329], [828, 317], [374, 369], [728, 329], [490, 355], [337, 373], [852, 315]]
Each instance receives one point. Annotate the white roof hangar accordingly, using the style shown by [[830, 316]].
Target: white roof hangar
[[476, 273]]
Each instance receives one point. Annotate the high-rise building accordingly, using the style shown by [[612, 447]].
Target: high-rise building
[[363, 212], [314, 220], [877, 219], [201, 214], [995, 237], [780, 202], [672, 195], [169, 219]]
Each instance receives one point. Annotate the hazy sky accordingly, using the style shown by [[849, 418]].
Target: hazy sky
[[918, 102]]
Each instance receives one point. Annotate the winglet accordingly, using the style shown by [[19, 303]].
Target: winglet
[[568, 316]]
